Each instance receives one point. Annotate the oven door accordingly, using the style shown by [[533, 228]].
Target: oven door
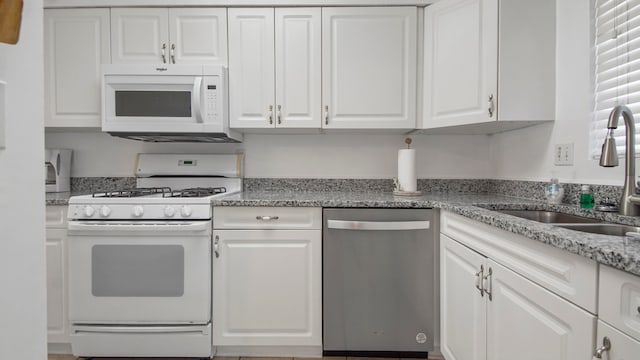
[[139, 272]]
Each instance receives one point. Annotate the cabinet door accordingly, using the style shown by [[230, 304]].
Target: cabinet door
[[267, 287], [461, 62], [57, 319], [369, 67], [198, 35], [251, 68], [139, 35], [298, 67], [462, 304], [527, 322], [76, 42], [623, 347]]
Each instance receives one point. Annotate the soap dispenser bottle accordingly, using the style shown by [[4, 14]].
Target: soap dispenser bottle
[[586, 197], [554, 192]]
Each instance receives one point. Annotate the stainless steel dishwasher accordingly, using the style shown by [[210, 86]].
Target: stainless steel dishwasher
[[379, 282]]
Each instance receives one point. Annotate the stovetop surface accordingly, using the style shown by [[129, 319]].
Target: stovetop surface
[[164, 192]]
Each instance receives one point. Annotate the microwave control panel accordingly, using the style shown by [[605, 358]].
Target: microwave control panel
[[211, 102]]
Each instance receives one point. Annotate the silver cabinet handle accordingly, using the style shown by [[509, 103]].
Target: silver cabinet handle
[[377, 225], [164, 57], [279, 115], [216, 246], [326, 114], [488, 289], [606, 346], [173, 53], [479, 277], [270, 116], [267, 218], [491, 106]]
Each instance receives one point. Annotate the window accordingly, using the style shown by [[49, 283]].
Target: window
[[617, 62]]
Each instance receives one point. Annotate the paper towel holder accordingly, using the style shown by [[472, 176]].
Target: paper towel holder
[[397, 190]]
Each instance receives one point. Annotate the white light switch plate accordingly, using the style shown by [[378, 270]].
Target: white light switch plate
[[3, 112], [563, 154]]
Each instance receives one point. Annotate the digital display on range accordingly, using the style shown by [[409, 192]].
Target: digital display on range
[[187, 162]]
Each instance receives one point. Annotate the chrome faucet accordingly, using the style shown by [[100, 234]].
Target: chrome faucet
[[630, 201]]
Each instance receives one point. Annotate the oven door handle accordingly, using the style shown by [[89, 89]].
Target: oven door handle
[[78, 329], [191, 227]]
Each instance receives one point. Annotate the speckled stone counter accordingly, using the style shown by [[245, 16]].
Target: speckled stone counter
[[61, 198], [616, 251]]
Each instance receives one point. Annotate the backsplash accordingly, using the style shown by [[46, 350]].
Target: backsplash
[[522, 189], [92, 184]]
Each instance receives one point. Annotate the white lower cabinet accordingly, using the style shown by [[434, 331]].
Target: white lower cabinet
[[620, 345], [619, 315], [489, 311], [56, 257], [267, 285]]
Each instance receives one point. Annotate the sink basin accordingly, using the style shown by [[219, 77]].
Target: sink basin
[[604, 229], [550, 217]]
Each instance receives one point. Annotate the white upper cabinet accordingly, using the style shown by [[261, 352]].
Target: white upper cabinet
[[489, 65], [298, 67], [251, 68], [169, 36], [369, 67], [198, 35], [76, 42], [274, 67]]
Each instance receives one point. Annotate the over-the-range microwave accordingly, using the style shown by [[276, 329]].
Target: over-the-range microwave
[[168, 103]]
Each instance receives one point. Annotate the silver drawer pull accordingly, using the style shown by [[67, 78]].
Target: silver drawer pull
[[606, 346], [479, 277], [488, 288], [267, 218]]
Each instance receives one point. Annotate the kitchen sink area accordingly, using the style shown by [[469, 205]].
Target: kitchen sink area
[[575, 222], [549, 217]]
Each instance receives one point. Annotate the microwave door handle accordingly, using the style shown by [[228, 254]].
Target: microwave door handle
[[196, 98]]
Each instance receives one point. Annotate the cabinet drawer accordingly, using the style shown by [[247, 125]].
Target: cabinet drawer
[[620, 300], [56, 216], [623, 347], [571, 276], [267, 218]]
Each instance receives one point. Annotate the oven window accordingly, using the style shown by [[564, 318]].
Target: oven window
[[137, 270], [153, 103]]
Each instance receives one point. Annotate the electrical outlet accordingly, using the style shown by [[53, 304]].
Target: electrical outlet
[[563, 154]]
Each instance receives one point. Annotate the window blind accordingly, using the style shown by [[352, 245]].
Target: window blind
[[617, 62]]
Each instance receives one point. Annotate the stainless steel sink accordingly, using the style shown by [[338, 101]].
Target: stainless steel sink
[[550, 217], [604, 229]]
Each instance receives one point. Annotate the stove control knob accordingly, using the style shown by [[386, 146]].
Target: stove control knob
[[169, 211], [185, 211], [105, 211], [137, 211], [88, 211]]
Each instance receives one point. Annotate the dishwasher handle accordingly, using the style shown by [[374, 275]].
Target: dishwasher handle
[[378, 225]]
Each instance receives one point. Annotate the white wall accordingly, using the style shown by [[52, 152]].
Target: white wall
[[528, 154], [348, 155], [22, 243], [525, 154]]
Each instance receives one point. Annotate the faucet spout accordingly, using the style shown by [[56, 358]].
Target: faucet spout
[[629, 203]]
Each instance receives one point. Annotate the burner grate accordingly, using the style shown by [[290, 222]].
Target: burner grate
[[136, 192], [196, 192]]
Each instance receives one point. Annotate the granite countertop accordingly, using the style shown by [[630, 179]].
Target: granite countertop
[[61, 198], [616, 251]]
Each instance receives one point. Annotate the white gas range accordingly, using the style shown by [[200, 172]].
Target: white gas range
[[140, 259]]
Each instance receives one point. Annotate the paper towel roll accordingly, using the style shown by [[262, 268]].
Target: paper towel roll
[[407, 170]]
